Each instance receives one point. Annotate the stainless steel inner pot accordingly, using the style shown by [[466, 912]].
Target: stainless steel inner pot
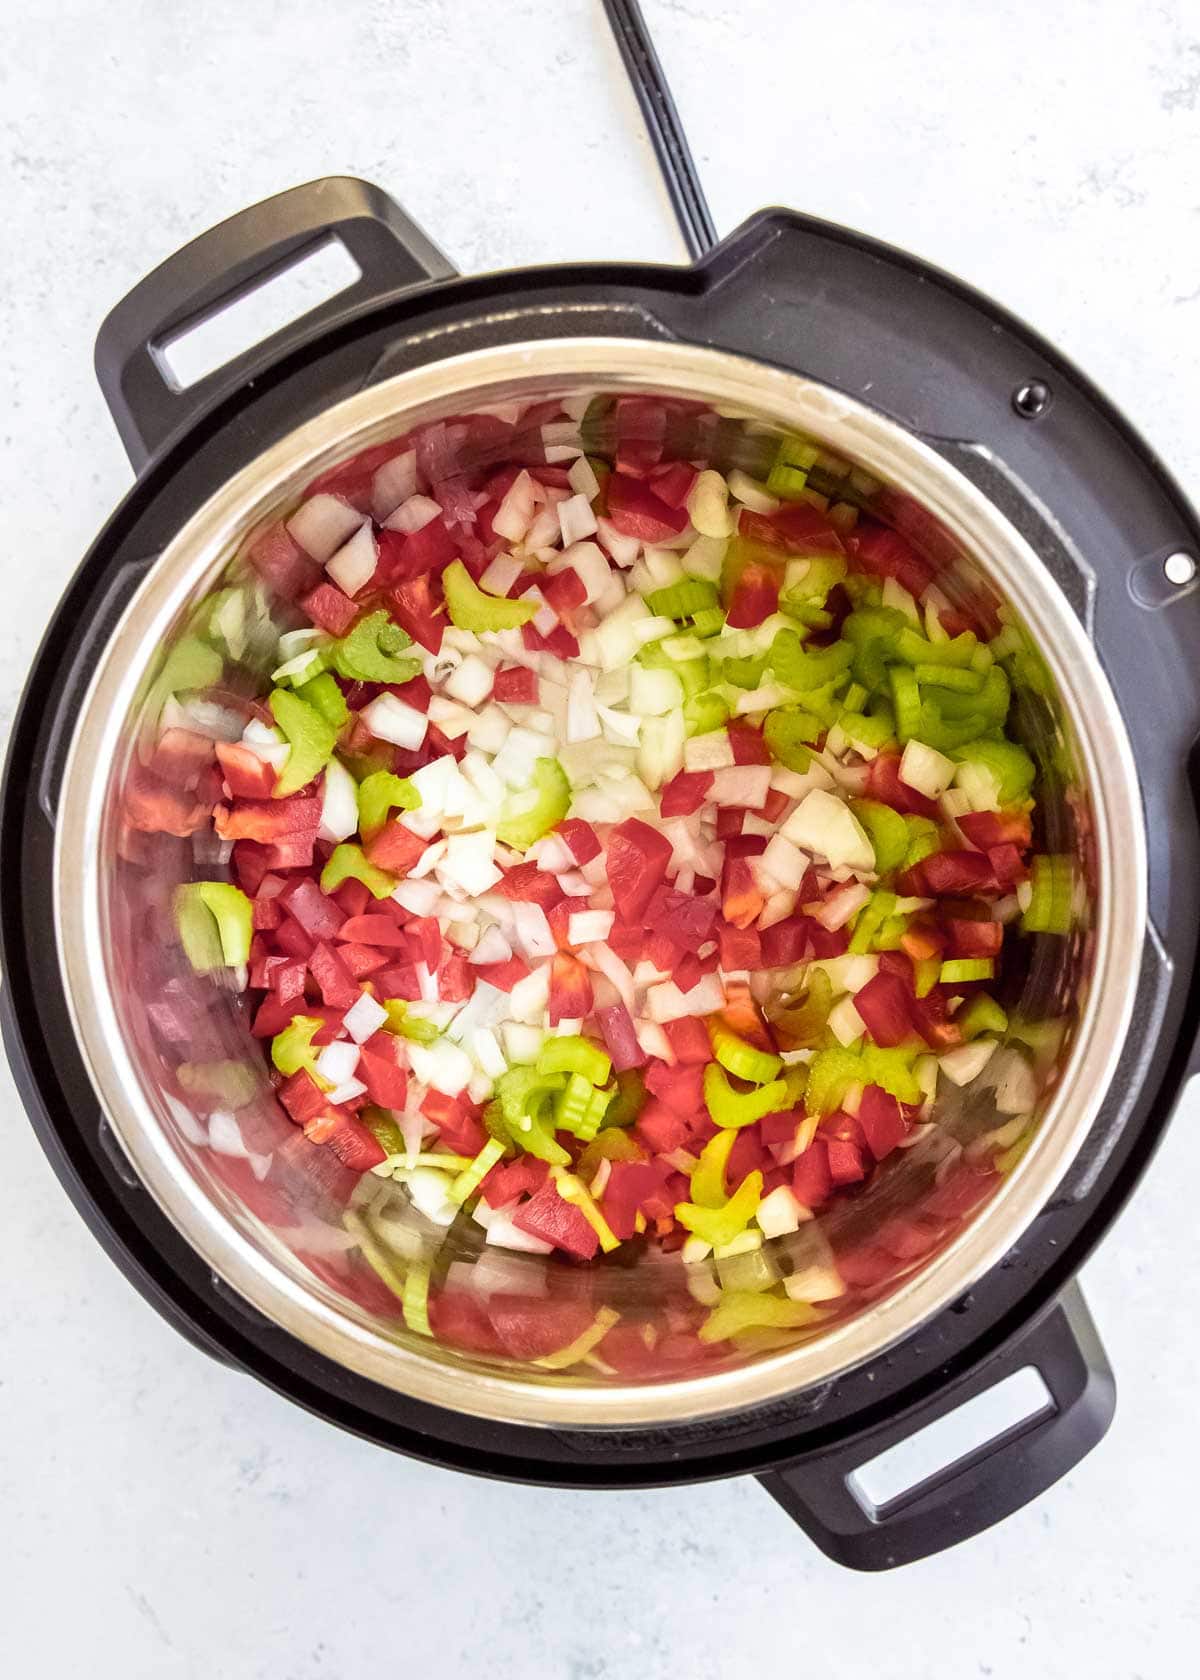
[[108, 927]]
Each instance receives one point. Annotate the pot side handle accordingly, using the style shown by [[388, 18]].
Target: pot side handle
[[227, 263], [975, 1491]]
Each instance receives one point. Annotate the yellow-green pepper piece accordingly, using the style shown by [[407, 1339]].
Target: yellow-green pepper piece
[[708, 1180], [718, 1226], [292, 1049]]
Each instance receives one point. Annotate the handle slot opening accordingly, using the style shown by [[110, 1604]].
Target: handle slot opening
[[219, 336]]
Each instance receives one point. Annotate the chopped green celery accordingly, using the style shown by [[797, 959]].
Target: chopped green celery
[[415, 1300], [348, 862], [825, 702], [893, 1070], [739, 1310], [522, 1094], [1009, 764], [924, 838], [377, 1257], [719, 1226], [946, 734], [709, 621], [708, 1180], [871, 662], [958, 970], [198, 932], [744, 673], [797, 667], [323, 695], [414, 1027], [788, 732], [470, 1178], [915, 649], [878, 909], [926, 973], [310, 736], [627, 1104], [737, 1108], [805, 614], [380, 794], [891, 935], [534, 811], [693, 673], [981, 1015], [383, 1128], [374, 651], [863, 590], [576, 1110], [855, 697], [906, 698], [684, 599], [824, 571], [831, 1073], [962, 679], [190, 664], [788, 477], [1053, 883], [234, 916], [573, 1190], [867, 731], [292, 1049], [563, 1358], [886, 830], [472, 608], [573, 1054], [234, 1083], [704, 712], [743, 1060]]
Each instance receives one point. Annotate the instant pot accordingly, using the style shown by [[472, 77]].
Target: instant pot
[[983, 442]]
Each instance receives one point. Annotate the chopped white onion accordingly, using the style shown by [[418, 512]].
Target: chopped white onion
[[322, 524], [928, 771], [413, 515], [339, 803], [364, 1018], [744, 785], [575, 519], [391, 719], [394, 483], [585, 927], [751, 493], [967, 1061], [826, 826], [337, 1061], [353, 566]]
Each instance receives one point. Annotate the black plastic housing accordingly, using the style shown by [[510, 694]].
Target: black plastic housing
[[1101, 512]]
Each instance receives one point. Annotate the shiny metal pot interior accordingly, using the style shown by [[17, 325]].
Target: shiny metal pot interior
[[1079, 990]]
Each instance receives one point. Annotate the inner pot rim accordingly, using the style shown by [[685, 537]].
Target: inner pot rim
[[883, 448]]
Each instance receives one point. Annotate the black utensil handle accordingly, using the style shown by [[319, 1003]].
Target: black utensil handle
[[232, 260], [987, 1485]]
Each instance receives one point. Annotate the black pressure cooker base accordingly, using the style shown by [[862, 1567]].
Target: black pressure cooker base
[[783, 289]]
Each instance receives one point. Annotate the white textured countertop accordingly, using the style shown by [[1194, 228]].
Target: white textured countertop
[[162, 1517]]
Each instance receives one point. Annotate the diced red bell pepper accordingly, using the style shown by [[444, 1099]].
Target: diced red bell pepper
[[921, 940], [636, 864], [457, 1119], [885, 1006], [271, 1016], [302, 1097], [354, 1146], [620, 1036], [384, 933], [689, 1040], [986, 829], [337, 985], [352, 480], [685, 793], [428, 936], [329, 609], [504, 975], [352, 897], [386, 1081], [954, 872], [633, 1187], [291, 938], [1007, 865], [827, 942], [287, 979], [741, 901], [151, 807], [246, 775], [886, 553], [636, 511], [565, 591], [846, 1164], [455, 979], [547, 1216], [641, 424], [319, 916], [865, 1266], [812, 1181], [688, 972], [395, 848], [269, 820], [799, 528], [459, 1318], [399, 980], [660, 1128], [362, 960], [250, 866], [741, 948], [282, 564], [932, 1020], [786, 942], [405, 555], [884, 784], [579, 837], [570, 989], [775, 804], [680, 1088], [416, 605], [516, 685], [974, 938], [742, 1016], [747, 743], [755, 597], [531, 1327], [510, 1179], [747, 1156], [180, 758], [527, 884], [882, 1121], [673, 483], [729, 822], [682, 917]]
